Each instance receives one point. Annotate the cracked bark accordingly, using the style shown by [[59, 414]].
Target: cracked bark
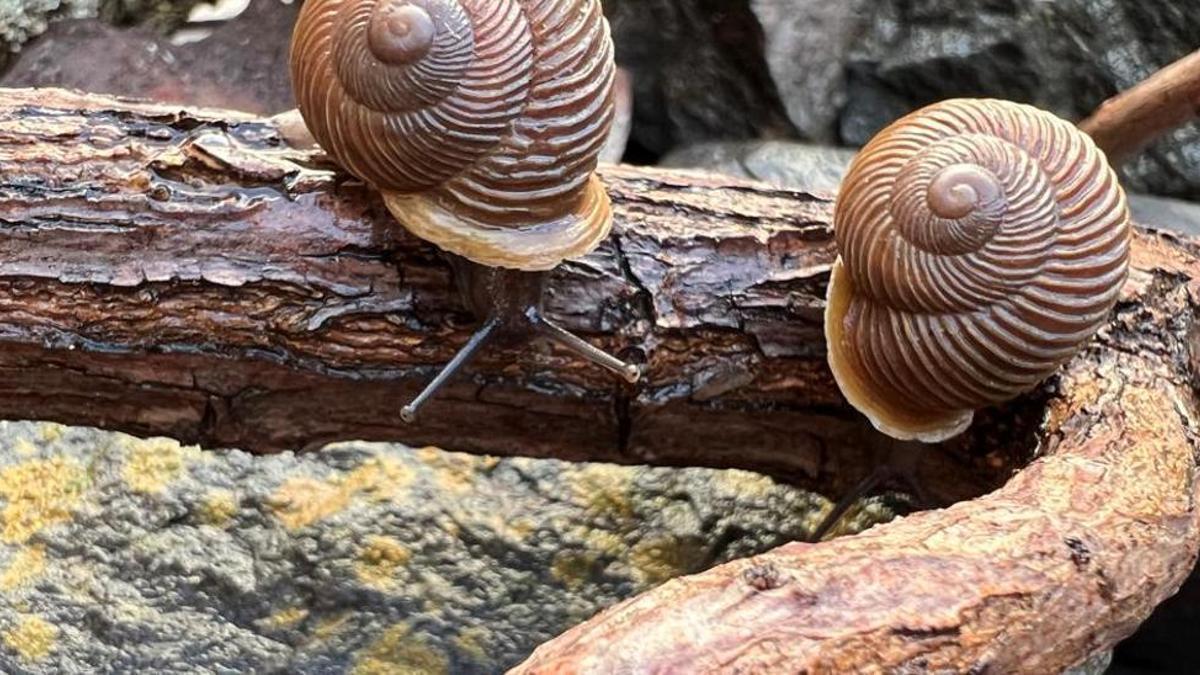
[[187, 273]]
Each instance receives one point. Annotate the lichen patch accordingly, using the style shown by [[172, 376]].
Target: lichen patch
[[472, 642], [28, 564], [573, 568], [455, 472], [217, 508], [23, 447], [300, 502], [37, 494], [658, 559], [32, 638], [397, 652], [286, 619], [604, 491], [380, 561], [155, 463]]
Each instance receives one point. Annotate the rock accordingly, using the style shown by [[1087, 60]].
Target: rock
[[786, 164], [618, 137], [1066, 56], [698, 73], [242, 64], [1166, 214], [20, 21], [806, 48], [1096, 665], [126, 555], [23, 20]]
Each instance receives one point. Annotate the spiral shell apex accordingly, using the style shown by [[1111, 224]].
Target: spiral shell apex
[[981, 244], [481, 121]]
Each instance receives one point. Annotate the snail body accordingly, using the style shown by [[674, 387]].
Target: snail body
[[981, 244], [481, 122]]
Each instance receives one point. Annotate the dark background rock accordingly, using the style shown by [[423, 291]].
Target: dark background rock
[[1166, 643], [807, 44], [240, 64], [1066, 56], [676, 49], [800, 166]]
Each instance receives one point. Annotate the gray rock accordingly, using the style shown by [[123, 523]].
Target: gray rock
[[20, 21], [618, 136], [807, 44], [698, 73], [124, 555], [1097, 664], [797, 166], [1166, 214], [1066, 56]]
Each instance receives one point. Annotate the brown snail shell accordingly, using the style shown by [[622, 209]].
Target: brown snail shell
[[481, 121], [981, 244]]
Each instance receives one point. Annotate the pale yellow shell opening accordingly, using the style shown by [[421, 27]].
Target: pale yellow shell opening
[[886, 416], [538, 247]]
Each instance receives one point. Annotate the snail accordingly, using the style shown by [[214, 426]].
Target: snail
[[481, 123], [981, 244]]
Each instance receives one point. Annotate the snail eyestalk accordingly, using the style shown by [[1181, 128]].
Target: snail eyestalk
[[464, 356], [510, 305]]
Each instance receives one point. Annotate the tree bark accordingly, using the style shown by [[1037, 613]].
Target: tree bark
[[187, 273]]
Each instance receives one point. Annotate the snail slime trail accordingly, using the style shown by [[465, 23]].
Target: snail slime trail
[[481, 122], [981, 244]]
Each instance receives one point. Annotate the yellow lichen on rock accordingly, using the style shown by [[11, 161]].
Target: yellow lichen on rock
[[397, 652], [329, 626], [604, 543], [572, 568], [746, 483], [286, 619], [379, 561], [51, 431], [155, 463], [32, 638], [658, 559], [455, 472], [38, 494], [604, 491], [472, 641], [217, 508], [23, 447], [300, 502], [28, 564]]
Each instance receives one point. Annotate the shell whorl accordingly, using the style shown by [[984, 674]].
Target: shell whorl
[[981, 243], [481, 121]]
